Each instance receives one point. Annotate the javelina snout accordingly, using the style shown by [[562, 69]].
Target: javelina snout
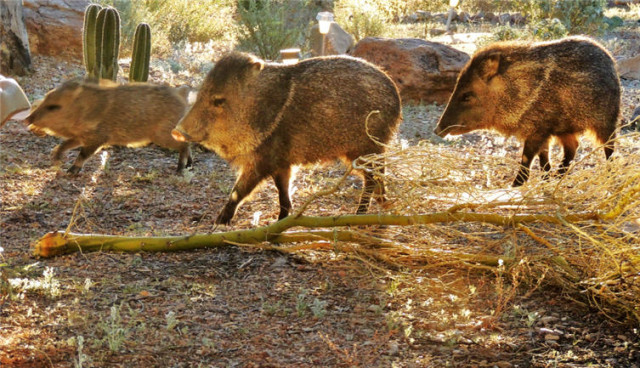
[[535, 92], [265, 118], [94, 114]]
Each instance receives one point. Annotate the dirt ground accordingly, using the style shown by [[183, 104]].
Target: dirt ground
[[238, 306]]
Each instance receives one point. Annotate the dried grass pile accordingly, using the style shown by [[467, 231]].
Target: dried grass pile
[[580, 232]]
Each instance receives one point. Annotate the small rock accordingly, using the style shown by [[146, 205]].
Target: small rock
[[423, 15], [393, 348], [410, 19], [544, 330], [279, 262], [504, 19], [374, 308], [464, 17], [547, 320], [502, 364], [490, 17]]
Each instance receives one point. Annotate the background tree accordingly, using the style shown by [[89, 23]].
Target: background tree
[[15, 58]]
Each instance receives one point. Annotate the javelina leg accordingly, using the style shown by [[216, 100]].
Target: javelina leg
[[370, 185], [56, 154], [543, 155], [245, 184], [85, 153], [530, 150], [608, 146], [282, 179], [184, 160], [569, 146]]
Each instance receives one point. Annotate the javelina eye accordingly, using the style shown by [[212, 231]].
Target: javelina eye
[[466, 97], [53, 107], [217, 102]]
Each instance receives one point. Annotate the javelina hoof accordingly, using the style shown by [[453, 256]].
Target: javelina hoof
[[223, 220], [74, 170]]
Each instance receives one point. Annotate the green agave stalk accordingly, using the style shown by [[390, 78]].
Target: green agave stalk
[[89, 39], [139, 71]]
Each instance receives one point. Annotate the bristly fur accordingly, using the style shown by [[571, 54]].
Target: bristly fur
[[93, 114], [265, 118], [536, 91]]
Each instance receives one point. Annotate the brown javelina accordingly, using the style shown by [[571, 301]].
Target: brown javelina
[[93, 115], [536, 91], [264, 118]]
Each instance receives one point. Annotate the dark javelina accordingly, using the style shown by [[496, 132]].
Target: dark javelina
[[535, 91], [93, 115], [265, 118]]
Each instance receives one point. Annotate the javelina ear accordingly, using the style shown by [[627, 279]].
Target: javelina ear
[[490, 66], [256, 66]]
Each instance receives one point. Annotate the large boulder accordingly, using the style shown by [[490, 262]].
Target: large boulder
[[336, 42], [55, 27], [629, 68], [423, 71]]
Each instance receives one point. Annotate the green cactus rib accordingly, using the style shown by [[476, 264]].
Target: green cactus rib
[[89, 39], [139, 71], [98, 41], [110, 43]]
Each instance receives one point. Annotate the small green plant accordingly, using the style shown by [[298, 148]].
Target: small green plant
[[172, 321], [301, 303], [146, 178], [82, 357], [394, 321], [319, 308], [86, 287], [114, 330], [49, 283], [392, 287], [274, 309]]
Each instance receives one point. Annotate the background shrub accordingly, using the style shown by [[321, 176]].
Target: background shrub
[[361, 18], [577, 16], [549, 29], [175, 21], [267, 26]]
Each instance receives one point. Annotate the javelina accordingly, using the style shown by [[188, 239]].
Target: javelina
[[93, 115], [264, 118], [537, 91]]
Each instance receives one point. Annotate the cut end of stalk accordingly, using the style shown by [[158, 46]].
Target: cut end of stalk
[[52, 244]]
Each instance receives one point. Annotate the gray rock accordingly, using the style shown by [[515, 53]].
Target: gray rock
[[337, 41]]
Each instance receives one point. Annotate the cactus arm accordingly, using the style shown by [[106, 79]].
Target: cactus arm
[[98, 41], [89, 39], [141, 55], [110, 44]]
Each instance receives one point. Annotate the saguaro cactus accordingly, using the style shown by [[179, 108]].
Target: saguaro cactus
[[89, 39], [110, 42], [141, 55]]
